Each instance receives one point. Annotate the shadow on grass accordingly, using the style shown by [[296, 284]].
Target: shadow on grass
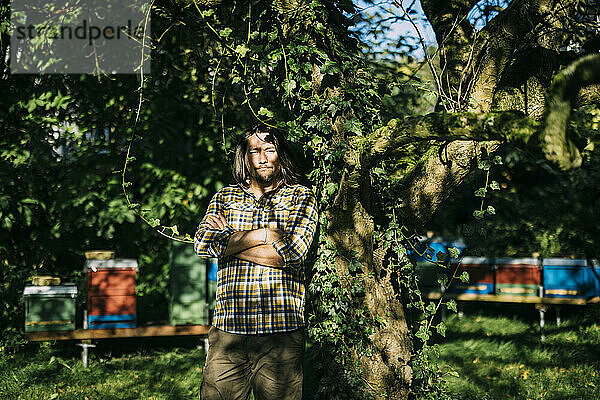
[[164, 368], [497, 351]]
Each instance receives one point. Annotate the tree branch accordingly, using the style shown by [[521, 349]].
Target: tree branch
[[562, 97], [444, 127]]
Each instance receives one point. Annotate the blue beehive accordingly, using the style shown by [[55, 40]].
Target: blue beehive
[[569, 278], [428, 265]]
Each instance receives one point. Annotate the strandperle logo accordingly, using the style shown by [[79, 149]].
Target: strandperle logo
[[71, 36], [83, 31]]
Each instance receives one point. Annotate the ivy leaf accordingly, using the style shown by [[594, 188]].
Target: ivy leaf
[[491, 210], [494, 185], [242, 49], [441, 329], [332, 109], [451, 304], [155, 222], [454, 252], [484, 165], [225, 32], [498, 160], [478, 214], [207, 13], [289, 85], [174, 230], [330, 68], [431, 308], [480, 192], [353, 126], [442, 280], [331, 188], [265, 112], [464, 277], [422, 334], [236, 79]]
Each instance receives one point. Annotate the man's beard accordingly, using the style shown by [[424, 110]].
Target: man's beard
[[271, 178]]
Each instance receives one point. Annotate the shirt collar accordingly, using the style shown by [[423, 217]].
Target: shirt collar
[[247, 190]]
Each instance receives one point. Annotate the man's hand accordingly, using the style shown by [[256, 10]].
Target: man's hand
[[216, 222]]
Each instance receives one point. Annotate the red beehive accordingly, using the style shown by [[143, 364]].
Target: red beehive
[[518, 276], [481, 276], [111, 300]]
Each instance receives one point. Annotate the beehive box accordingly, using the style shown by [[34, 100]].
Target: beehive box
[[192, 286], [518, 276], [569, 278], [50, 308], [111, 301], [429, 266], [481, 276]]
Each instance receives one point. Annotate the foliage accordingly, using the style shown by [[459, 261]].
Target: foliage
[[531, 190]]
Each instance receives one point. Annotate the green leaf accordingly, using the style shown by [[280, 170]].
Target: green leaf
[[442, 279], [441, 329], [480, 192], [484, 165], [289, 85], [454, 252], [207, 13], [225, 32], [451, 304], [379, 172], [494, 185], [497, 160], [174, 230], [265, 112], [431, 308], [490, 210], [331, 188], [330, 68], [353, 126], [464, 277], [422, 334], [478, 214], [242, 49]]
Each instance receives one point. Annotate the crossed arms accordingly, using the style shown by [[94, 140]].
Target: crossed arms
[[264, 246], [255, 245]]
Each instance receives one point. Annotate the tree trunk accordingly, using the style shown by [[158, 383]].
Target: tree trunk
[[350, 227]]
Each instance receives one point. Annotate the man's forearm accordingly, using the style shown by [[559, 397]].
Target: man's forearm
[[243, 240], [263, 254]]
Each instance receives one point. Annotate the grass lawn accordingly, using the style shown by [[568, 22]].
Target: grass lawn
[[119, 370], [497, 352], [494, 349]]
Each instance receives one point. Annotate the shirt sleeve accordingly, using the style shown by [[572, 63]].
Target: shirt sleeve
[[210, 242], [302, 225]]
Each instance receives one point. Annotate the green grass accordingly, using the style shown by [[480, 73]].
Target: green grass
[[494, 349], [498, 354], [117, 371]]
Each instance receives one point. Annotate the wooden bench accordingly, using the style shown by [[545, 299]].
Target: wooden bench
[[85, 336], [542, 304]]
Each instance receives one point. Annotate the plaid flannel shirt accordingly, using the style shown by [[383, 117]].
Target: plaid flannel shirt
[[253, 298]]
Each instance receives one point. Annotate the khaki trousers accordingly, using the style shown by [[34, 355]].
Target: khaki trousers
[[269, 365]]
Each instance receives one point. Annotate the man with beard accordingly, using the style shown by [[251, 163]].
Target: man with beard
[[261, 230]]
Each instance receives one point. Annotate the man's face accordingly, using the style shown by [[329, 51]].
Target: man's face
[[263, 160]]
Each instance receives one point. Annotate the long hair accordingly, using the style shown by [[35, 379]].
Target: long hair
[[289, 172]]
